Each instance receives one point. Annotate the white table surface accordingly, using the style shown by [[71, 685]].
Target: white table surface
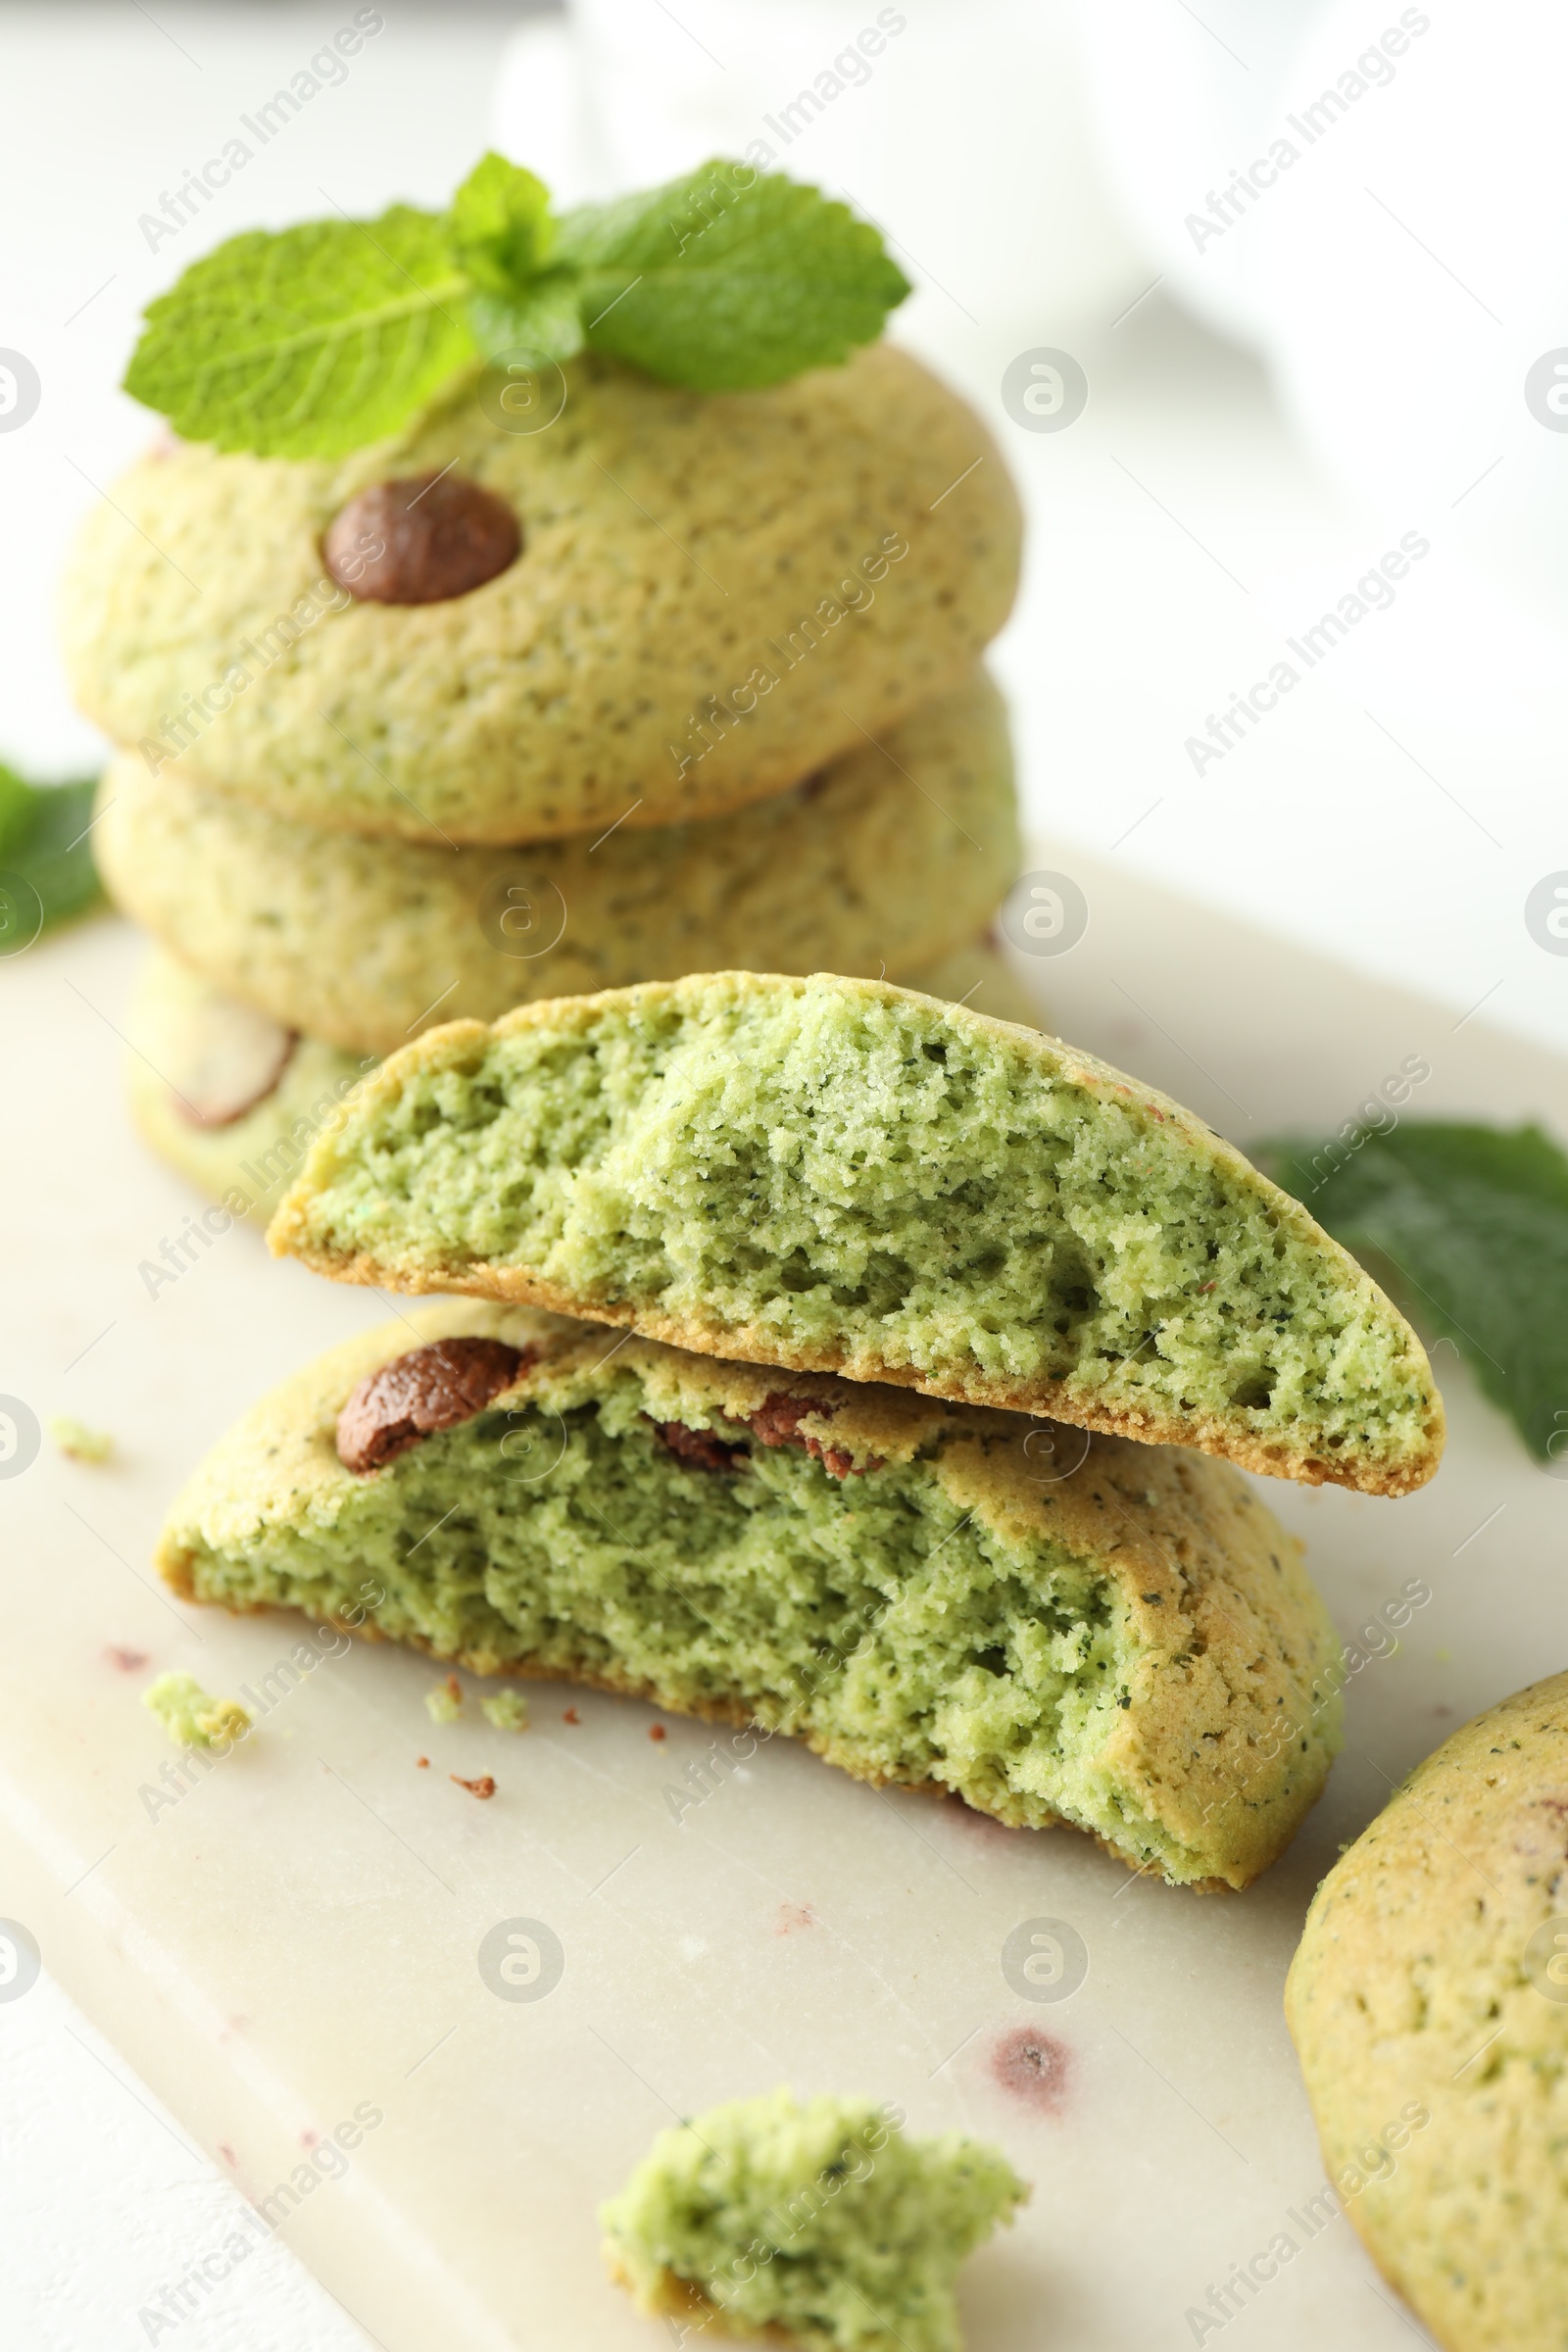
[[1394, 812]]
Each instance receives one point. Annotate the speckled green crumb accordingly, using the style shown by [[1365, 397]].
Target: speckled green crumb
[[894, 854], [1051, 1626], [191, 1716], [841, 1176], [1429, 2006], [505, 1711], [443, 1702], [814, 2217], [715, 595]]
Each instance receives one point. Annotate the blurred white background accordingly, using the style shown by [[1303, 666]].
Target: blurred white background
[[1310, 255]]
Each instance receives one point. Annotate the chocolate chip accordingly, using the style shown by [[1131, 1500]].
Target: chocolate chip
[[420, 541], [777, 1419], [777, 1422], [429, 1388], [697, 1447], [224, 1059]]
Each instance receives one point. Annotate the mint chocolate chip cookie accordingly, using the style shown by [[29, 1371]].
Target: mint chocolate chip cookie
[[893, 853], [1429, 2006], [841, 1175], [1053, 1627], [710, 596]]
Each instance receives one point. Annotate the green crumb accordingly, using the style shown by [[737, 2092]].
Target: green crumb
[[507, 1710], [444, 1704], [815, 2217], [191, 1716], [83, 1445]]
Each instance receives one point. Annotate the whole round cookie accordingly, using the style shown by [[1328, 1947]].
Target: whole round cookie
[[714, 594], [1429, 2006], [234, 1100], [893, 854]]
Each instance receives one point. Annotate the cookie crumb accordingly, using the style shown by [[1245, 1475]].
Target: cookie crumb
[[656, 1730], [571, 1715], [191, 1717], [485, 1786], [422, 1762], [444, 1704], [128, 1661], [81, 1444], [507, 1710]]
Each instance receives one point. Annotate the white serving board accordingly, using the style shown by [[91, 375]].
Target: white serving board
[[298, 1936]]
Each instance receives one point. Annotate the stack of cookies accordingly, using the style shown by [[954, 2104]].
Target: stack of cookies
[[614, 683]]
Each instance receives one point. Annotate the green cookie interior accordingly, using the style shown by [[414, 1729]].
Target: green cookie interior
[[1051, 1626], [816, 2216], [844, 1176]]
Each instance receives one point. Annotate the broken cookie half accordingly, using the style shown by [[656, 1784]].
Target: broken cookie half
[[1053, 1627], [844, 1176]]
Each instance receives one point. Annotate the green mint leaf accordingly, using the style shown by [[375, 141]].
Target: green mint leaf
[[502, 230], [729, 280], [544, 319], [310, 342], [1471, 1223], [46, 867]]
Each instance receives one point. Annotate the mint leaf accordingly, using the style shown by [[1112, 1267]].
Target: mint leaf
[[501, 226], [46, 867], [544, 319], [1471, 1223], [728, 279], [310, 342]]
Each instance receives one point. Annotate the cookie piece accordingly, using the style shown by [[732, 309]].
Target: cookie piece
[[841, 1175], [247, 1162], [715, 595], [1429, 2007], [893, 855], [178, 1026], [1053, 1627], [813, 2218]]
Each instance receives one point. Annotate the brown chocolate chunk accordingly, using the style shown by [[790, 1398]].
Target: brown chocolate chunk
[[697, 1447], [777, 1422], [429, 1388], [224, 1059], [421, 540], [777, 1419]]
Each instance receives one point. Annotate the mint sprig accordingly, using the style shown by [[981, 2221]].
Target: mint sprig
[[313, 341], [1469, 1227]]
